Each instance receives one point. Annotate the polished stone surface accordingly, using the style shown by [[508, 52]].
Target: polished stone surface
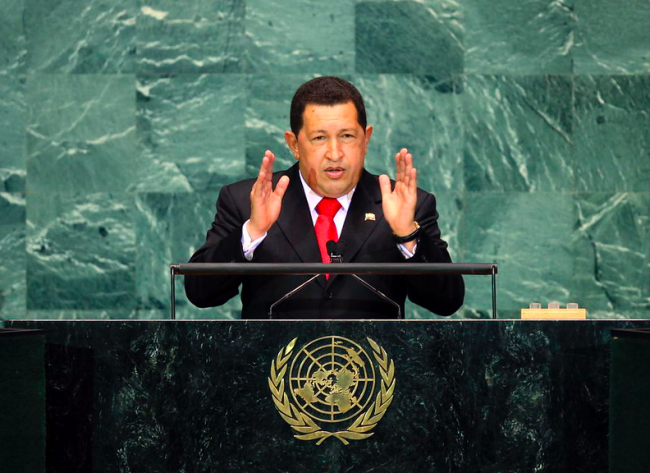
[[421, 114], [72, 36], [177, 223], [81, 251], [193, 396], [12, 33], [13, 119], [22, 395], [408, 38], [527, 118], [542, 270], [629, 431], [612, 133], [81, 133], [518, 133], [524, 37], [300, 36], [612, 254], [216, 29], [611, 37], [190, 130], [12, 255]]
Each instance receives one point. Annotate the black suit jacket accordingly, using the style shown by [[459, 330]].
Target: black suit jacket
[[292, 240]]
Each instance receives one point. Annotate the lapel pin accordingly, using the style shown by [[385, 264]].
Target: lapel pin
[[369, 216]]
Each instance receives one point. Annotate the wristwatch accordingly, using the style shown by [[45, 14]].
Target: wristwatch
[[410, 237]]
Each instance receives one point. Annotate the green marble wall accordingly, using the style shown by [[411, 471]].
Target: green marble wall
[[120, 121]]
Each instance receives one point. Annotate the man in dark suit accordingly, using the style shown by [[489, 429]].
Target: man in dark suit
[[288, 216]]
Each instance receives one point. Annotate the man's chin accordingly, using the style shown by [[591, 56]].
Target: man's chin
[[333, 188], [334, 192]]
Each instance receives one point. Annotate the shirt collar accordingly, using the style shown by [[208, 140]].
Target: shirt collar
[[313, 199]]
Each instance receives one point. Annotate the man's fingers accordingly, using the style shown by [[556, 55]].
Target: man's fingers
[[399, 166], [263, 172], [262, 186], [408, 169], [266, 168], [405, 169], [281, 186], [384, 185], [408, 160], [403, 162], [413, 181]]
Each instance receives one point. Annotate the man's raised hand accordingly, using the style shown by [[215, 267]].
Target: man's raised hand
[[399, 203], [266, 202]]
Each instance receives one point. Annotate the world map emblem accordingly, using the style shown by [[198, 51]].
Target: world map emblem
[[332, 387]]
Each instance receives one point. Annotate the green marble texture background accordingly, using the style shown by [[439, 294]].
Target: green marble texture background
[[120, 121]]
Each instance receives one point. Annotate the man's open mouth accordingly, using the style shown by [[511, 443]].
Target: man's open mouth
[[334, 172]]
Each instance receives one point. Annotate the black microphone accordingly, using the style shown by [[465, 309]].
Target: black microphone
[[334, 258], [335, 251]]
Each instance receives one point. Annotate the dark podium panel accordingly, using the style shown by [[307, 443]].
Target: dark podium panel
[[630, 402], [22, 401], [237, 396]]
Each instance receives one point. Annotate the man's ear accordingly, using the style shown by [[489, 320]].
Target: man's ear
[[368, 135], [292, 143]]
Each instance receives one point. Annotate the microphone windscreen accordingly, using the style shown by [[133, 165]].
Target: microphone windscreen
[[331, 247]]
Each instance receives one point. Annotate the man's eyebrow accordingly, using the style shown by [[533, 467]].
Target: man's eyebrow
[[324, 132]]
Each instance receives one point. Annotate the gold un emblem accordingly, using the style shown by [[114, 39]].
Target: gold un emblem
[[331, 384]]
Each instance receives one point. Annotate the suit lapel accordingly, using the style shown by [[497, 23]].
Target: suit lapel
[[296, 224], [295, 220], [364, 215]]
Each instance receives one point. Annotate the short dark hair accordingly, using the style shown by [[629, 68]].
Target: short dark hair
[[325, 91]]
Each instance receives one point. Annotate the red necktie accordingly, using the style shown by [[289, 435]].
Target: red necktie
[[325, 227]]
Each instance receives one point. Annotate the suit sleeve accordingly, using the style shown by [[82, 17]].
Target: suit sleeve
[[441, 294], [222, 245]]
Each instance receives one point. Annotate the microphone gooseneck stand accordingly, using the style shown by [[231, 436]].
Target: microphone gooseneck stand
[[336, 256]]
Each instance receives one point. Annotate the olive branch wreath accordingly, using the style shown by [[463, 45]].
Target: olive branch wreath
[[305, 426]]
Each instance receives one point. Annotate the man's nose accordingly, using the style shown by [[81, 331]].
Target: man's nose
[[334, 150]]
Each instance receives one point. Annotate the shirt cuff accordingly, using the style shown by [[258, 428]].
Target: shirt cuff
[[248, 245], [407, 254]]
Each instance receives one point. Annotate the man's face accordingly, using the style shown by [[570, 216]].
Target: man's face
[[330, 148]]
